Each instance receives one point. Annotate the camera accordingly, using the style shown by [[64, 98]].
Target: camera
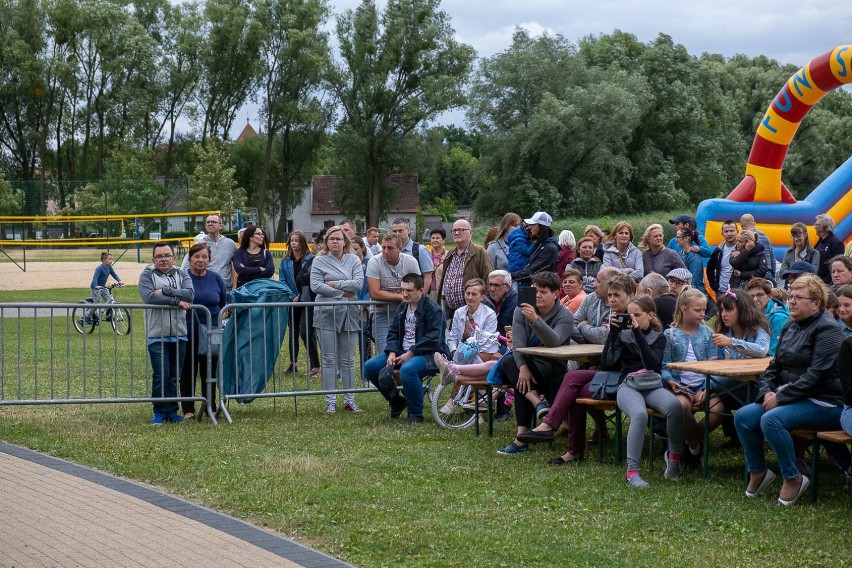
[[623, 320]]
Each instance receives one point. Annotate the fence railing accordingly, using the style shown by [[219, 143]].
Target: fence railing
[[45, 359]]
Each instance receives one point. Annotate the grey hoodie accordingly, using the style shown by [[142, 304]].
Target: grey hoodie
[[177, 286]]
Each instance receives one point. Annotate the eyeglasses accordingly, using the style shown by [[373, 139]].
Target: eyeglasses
[[163, 256], [496, 284], [758, 295], [456, 231], [336, 239], [795, 298]]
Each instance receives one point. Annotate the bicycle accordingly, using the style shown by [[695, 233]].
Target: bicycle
[[87, 318], [456, 411]]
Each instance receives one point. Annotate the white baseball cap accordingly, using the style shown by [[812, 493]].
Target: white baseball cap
[[540, 218]]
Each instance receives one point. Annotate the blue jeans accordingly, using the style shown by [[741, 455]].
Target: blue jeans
[[755, 424], [410, 374], [166, 365], [846, 420]]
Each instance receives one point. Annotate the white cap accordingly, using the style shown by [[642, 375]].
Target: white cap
[[540, 218]]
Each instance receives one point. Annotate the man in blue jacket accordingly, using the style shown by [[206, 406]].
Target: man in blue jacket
[[415, 334]]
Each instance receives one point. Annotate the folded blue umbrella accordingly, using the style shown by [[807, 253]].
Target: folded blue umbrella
[[252, 337]]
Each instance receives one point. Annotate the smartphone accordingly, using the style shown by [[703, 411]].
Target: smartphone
[[526, 295], [507, 329], [623, 320]]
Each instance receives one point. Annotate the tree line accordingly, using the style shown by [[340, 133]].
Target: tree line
[[98, 89]]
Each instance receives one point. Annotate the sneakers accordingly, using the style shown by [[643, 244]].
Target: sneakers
[[415, 420], [637, 481], [513, 448], [444, 368], [174, 417], [159, 419], [351, 407], [541, 409], [330, 408], [672, 467]]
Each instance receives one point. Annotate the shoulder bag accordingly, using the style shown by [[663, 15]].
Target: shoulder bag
[[604, 385], [643, 380]]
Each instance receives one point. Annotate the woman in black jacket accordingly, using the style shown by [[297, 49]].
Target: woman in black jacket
[[800, 389], [545, 257]]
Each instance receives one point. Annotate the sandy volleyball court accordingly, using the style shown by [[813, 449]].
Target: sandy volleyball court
[[48, 275]]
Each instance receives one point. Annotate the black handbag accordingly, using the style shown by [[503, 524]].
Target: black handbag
[[604, 385]]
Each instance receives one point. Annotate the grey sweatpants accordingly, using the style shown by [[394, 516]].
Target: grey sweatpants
[[338, 352], [634, 404]]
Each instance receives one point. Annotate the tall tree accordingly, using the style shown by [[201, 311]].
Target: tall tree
[[230, 63], [295, 60], [399, 71]]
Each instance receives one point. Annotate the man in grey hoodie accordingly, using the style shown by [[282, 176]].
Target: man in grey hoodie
[[163, 284]]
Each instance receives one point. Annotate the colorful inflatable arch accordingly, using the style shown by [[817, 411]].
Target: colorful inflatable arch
[[769, 200]]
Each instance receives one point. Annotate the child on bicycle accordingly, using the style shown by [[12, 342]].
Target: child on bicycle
[[98, 286]]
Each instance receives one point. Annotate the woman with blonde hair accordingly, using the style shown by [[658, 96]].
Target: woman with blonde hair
[[498, 250], [656, 257], [620, 252], [337, 276]]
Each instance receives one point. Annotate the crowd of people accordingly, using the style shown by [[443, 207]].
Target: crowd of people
[[455, 309]]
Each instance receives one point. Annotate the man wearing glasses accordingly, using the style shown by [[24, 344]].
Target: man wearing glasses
[[502, 298], [221, 249], [466, 262], [828, 246], [164, 284]]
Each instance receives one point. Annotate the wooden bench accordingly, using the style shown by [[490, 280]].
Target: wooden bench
[[837, 437], [616, 418], [477, 385]]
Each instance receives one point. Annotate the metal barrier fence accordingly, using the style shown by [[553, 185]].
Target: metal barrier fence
[[52, 353], [256, 337], [45, 359]]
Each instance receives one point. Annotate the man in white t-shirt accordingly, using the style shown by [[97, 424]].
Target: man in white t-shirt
[[384, 274], [719, 267], [400, 227]]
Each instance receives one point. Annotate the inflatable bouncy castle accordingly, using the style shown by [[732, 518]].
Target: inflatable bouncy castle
[[761, 192]]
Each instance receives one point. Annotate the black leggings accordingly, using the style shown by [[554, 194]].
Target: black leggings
[[302, 319]]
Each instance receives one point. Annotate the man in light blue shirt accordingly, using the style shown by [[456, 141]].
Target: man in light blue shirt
[[400, 227]]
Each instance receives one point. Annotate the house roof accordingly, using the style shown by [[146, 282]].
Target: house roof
[[407, 196], [248, 132]]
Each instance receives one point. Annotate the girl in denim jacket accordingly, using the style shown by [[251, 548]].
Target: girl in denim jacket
[[742, 332], [689, 340]]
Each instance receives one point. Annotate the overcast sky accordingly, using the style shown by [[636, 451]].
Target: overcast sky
[[785, 30]]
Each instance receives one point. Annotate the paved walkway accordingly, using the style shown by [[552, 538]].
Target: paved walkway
[[56, 513]]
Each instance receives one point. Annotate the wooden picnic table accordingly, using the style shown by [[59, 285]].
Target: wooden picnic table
[[582, 352], [742, 369]]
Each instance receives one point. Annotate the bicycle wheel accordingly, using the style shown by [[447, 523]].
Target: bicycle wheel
[[447, 409], [78, 316], [120, 320]]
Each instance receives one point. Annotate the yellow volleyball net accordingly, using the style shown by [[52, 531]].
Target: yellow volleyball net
[[64, 239]]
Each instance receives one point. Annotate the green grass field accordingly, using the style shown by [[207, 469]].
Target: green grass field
[[376, 492]]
